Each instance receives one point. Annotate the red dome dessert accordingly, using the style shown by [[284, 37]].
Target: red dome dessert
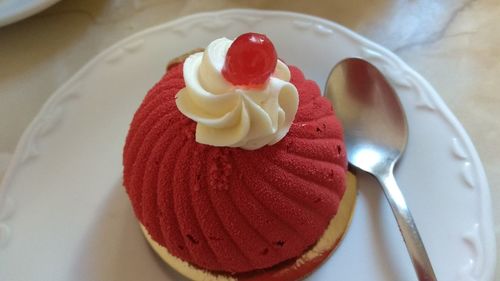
[[231, 210]]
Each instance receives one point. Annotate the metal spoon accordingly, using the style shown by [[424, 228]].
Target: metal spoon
[[376, 134]]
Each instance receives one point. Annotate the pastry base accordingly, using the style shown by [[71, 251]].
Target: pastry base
[[183, 57], [290, 270]]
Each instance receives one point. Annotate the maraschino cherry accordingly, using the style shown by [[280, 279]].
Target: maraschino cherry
[[250, 60]]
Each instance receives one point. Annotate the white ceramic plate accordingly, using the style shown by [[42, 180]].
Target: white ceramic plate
[[14, 10], [65, 215]]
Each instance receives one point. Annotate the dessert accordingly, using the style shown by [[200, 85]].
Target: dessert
[[236, 167]]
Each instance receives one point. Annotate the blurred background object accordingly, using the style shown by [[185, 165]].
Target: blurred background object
[[15, 10]]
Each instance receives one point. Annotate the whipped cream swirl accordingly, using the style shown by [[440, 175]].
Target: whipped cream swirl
[[235, 116]]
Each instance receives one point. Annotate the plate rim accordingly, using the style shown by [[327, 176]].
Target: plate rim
[[486, 214]]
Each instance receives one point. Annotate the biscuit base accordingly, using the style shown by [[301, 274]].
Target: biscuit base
[[295, 269]]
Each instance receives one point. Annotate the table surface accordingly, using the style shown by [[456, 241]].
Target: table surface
[[452, 43]]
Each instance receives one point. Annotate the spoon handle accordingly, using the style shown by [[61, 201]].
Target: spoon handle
[[407, 226]]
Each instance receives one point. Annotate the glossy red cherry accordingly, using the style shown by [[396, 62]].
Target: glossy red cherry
[[250, 60]]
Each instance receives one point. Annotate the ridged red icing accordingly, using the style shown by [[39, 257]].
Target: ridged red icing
[[229, 209]]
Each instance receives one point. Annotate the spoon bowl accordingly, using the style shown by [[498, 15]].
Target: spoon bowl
[[376, 133], [376, 129]]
